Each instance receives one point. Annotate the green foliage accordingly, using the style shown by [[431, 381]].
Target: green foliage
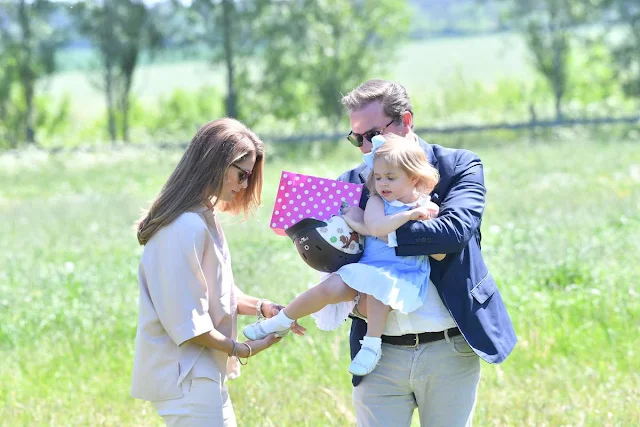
[[51, 119], [318, 50], [172, 119], [547, 29], [120, 30], [28, 45], [177, 117], [470, 102], [561, 234], [626, 50]]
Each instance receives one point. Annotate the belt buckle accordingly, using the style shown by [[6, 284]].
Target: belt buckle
[[415, 345]]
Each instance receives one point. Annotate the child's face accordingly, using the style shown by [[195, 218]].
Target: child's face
[[393, 183]]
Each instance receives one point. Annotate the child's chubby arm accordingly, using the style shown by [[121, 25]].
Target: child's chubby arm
[[373, 221], [431, 211], [354, 217], [379, 224]]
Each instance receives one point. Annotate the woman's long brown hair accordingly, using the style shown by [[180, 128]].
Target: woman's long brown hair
[[199, 175]]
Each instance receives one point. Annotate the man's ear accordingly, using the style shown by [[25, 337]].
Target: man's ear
[[407, 119]]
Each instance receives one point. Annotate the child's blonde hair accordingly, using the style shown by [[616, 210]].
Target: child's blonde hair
[[408, 155]]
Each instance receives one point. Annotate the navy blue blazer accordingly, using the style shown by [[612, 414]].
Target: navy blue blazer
[[462, 279]]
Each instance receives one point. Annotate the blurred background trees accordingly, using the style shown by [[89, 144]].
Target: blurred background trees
[[162, 67], [29, 44]]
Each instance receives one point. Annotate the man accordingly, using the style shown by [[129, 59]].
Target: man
[[430, 356]]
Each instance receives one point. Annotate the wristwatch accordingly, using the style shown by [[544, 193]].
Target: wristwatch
[[259, 309]]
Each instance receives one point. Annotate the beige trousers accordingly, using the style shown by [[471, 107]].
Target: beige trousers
[[440, 379], [204, 403]]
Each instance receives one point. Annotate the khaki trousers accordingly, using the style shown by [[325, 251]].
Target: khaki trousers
[[204, 403], [439, 378]]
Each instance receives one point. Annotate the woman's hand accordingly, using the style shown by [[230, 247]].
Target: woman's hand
[[270, 309], [256, 346]]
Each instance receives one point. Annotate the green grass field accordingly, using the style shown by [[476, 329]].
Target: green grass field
[[561, 235]]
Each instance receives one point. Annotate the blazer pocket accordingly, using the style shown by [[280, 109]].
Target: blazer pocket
[[484, 289]]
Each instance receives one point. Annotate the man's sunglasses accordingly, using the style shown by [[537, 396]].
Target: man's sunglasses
[[357, 140], [244, 175]]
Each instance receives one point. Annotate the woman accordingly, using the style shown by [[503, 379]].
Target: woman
[[185, 342]]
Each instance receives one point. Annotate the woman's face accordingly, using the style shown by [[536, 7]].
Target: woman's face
[[237, 177]]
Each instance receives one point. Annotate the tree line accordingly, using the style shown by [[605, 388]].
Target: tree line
[[291, 58]]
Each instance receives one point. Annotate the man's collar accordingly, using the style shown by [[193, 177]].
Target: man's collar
[[428, 150]]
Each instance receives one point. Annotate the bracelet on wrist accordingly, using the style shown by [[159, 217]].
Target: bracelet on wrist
[[234, 349], [259, 309], [246, 358]]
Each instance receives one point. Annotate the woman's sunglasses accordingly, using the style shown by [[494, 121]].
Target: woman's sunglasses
[[357, 140], [243, 175]]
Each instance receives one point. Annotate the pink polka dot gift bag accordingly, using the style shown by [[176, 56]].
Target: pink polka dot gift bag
[[304, 196]]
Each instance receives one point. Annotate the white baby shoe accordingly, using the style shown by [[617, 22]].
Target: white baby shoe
[[255, 331], [365, 361]]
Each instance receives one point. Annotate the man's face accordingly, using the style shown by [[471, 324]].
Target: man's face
[[372, 118]]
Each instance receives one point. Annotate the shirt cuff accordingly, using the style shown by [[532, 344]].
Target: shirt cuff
[[197, 325], [392, 240]]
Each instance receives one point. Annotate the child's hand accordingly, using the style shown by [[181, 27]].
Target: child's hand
[[427, 211], [353, 214], [419, 213], [298, 329], [354, 217], [433, 209]]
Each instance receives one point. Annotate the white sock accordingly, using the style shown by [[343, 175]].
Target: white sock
[[374, 343], [277, 323]]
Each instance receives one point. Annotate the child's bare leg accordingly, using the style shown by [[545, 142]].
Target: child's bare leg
[[377, 313], [330, 291], [371, 350]]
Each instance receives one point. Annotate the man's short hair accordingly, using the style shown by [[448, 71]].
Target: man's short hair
[[392, 95]]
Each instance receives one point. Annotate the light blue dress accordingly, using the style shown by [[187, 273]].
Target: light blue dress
[[398, 281]]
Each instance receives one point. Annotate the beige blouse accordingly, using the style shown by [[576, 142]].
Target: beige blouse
[[186, 289]]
